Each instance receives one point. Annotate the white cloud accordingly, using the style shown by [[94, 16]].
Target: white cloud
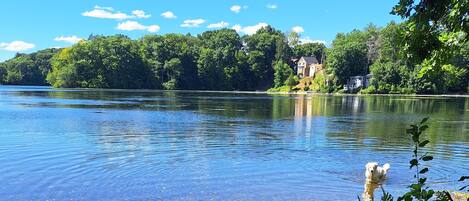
[[68, 39], [192, 23], [103, 8], [133, 25], [272, 6], [140, 14], [308, 40], [249, 30], [108, 13], [298, 29], [221, 24], [235, 8], [169, 15], [17, 46], [153, 28]]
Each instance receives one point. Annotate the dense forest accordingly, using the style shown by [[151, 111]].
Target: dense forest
[[426, 53]]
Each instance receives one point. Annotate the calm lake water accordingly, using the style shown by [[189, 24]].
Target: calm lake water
[[163, 145]]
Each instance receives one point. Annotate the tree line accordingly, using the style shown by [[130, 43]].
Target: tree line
[[426, 53], [213, 60]]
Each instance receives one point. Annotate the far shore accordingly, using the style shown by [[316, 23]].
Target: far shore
[[245, 92], [347, 94]]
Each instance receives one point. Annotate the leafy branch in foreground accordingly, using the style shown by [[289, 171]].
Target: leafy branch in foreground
[[418, 190], [462, 179]]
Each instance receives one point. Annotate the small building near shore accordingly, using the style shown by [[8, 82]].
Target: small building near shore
[[307, 67], [356, 82]]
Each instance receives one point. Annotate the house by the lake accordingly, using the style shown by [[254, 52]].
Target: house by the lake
[[307, 67], [356, 82]]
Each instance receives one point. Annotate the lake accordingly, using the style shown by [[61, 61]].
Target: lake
[[77, 144]]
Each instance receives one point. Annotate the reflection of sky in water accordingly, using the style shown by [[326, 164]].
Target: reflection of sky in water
[[107, 145]]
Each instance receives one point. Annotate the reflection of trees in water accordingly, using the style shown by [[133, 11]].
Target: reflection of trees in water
[[384, 119], [375, 121]]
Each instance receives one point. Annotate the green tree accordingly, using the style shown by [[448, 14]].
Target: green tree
[[27, 69], [310, 49], [348, 56], [435, 32], [211, 74], [291, 81], [282, 72], [391, 71], [3, 72], [173, 69], [157, 50], [293, 39], [242, 78], [217, 63], [265, 47], [103, 62]]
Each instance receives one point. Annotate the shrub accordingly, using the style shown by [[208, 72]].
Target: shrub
[[369, 90]]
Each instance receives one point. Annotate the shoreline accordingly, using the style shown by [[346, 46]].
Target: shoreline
[[346, 94], [236, 92]]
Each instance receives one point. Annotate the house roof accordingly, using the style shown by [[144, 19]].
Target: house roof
[[310, 60]]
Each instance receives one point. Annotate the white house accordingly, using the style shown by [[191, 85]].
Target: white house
[[356, 82]]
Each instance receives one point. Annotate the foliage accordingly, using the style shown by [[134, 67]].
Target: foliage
[[386, 195], [282, 72], [214, 60], [27, 69], [418, 190], [223, 60], [319, 83], [104, 62], [173, 69], [293, 39], [265, 47], [463, 178], [156, 51], [280, 89], [310, 49], [391, 74], [216, 65], [291, 81], [435, 30], [348, 56], [389, 78]]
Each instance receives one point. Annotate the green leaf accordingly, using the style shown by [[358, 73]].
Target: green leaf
[[462, 188], [423, 128], [423, 171], [415, 138], [422, 180], [444, 196], [413, 162], [427, 158], [405, 197], [386, 196], [429, 194], [425, 142], [424, 120]]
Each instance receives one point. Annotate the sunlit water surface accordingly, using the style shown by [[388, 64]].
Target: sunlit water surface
[[160, 145]]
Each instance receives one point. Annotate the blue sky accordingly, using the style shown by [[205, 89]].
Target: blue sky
[[31, 25]]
